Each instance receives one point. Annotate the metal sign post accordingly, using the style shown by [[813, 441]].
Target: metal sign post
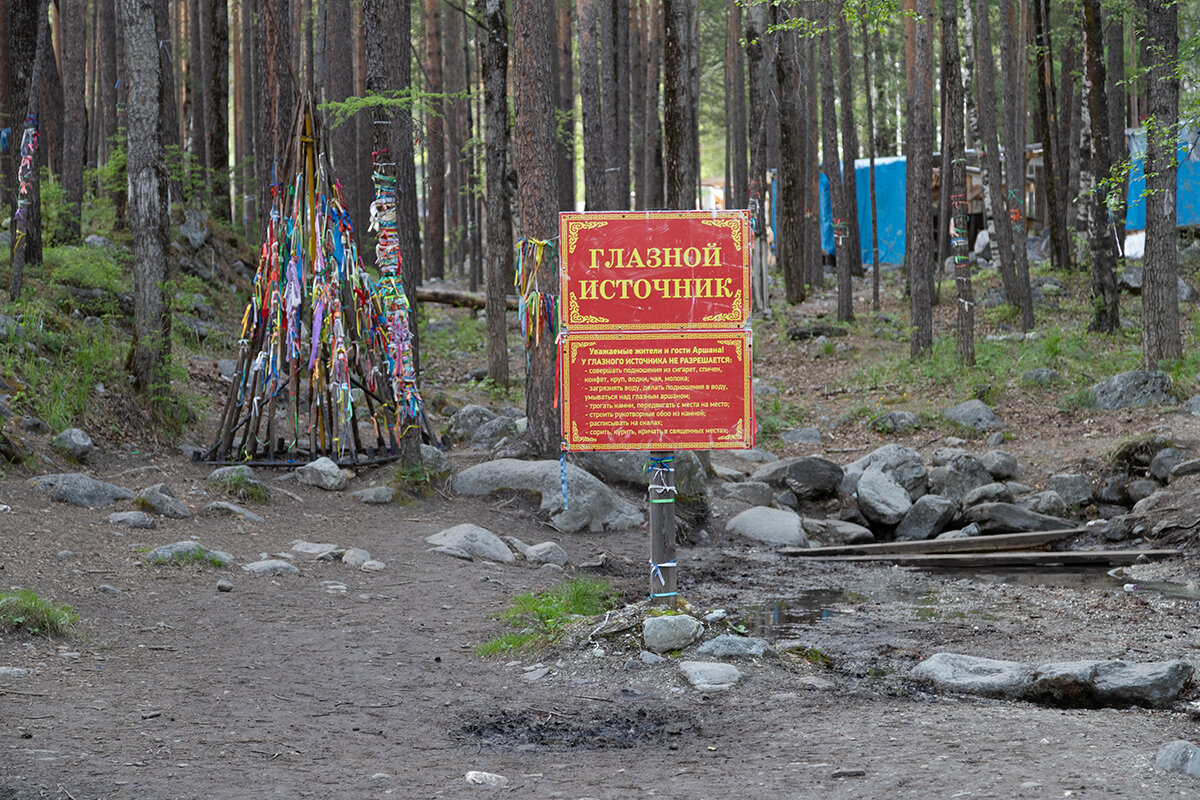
[[663, 586]]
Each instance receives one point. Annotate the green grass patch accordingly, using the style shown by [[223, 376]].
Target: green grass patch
[[198, 556], [812, 655], [25, 610], [542, 616], [243, 487], [86, 268], [443, 338], [778, 415]]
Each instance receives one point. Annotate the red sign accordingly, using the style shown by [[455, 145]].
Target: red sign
[[657, 391], [655, 270]]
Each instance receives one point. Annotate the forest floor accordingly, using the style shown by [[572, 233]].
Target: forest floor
[[349, 684]]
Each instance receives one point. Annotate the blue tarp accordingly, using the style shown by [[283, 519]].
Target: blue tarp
[[1187, 192]]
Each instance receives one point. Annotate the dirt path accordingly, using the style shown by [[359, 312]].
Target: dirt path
[[289, 687]]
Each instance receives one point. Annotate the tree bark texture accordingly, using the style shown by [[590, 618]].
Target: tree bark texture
[[1118, 109], [1160, 299], [107, 38], [1106, 316], [919, 234], [564, 147], [454, 81], [274, 99], [217, 94], [26, 226], [653, 148], [757, 68], [435, 152], [620, 154], [871, 168], [789, 241], [682, 169], [954, 185], [148, 220], [849, 144], [499, 266], [1054, 173], [74, 111], [814, 264], [250, 78], [736, 187], [533, 154], [595, 162], [1014, 164], [832, 168]]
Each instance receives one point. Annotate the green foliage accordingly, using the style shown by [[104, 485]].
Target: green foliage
[[25, 610], [87, 268], [450, 338], [779, 415], [812, 655], [56, 212], [410, 99], [57, 362], [244, 488], [542, 616], [198, 555]]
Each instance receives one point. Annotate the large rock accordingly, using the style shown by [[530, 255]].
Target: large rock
[[838, 531], [547, 553], [1179, 756], [956, 478], [591, 505], [1166, 460], [74, 442], [629, 467], [1131, 279], [467, 420], [80, 489], [730, 646], [375, 495], [1130, 389], [710, 676], [324, 473], [902, 464], [1047, 502], [1109, 683], [773, 526], [752, 493], [489, 433], [473, 540], [881, 499], [160, 499], [974, 675], [271, 566], [187, 550], [670, 632], [928, 517], [1073, 488], [972, 414], [131, 519], [221, 508], [434, 461], [898, 422], [809, 477], [988, 493], [1000, 465], [1009, 518]]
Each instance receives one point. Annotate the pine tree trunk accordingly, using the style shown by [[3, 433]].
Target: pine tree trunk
[[736, 188], [200, 83], [338, 84], [653, 149], [75, 111], [757, 184], [533, 93], [871, 173], [1118, 109], [814, 265], [833, 173], [149, 225], [1014, 165], [637, 101], [1106, 316], [26, 225], [682, 169], [250, 79], [789, 241], [1054, 174], [106, 36], [918, 235], [954, 184], [1160, 299], [620, 156], [1068, 133], [218, 105], [849, 145], [435, 137], [456, 137], [170, 123], [595, 162], [499, 216], [564, 148]]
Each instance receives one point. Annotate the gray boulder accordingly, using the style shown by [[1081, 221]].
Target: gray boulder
[[973, 414], [1192, 405], [1189, 467], [35, 424], [1041, 376], [902, 464], [1131, 279], [629, 467], [356, 557], [195, 227], [772, 526], [898, 422], [1140, 489], [187, 550], [489, 433], [1132, 389], [710, 676], [592, 505], [475, 541], [988, 493], [973, 675], [801, 436], [324, 473], [1109, 683], [752, 493], [74, 442], [271, 566], [241, 480], [434, 461], [670, 632], [467, 420], [1047, 502], [809, 477], [162, 500], [1000, 465], [221, 508], [956, 478], [80, 489], [1073, 488], [730, 646], [1009, 518], [547, 553], [96, 240], [1164, 461], [1179, 756], [838, 531], [375, 496], [881, 499], [928, 517], [131, 519], [944, 455]]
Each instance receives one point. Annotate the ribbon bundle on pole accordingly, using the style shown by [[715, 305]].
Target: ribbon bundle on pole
[[29, 146]]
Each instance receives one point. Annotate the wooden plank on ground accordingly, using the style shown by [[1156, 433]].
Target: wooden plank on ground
[[970, 544], [1022, 558]]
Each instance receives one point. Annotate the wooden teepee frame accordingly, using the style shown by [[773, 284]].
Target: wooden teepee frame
[[324, 363]]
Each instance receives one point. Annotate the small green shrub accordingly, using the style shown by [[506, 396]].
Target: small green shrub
[[86, 268], [542, 616], [25, 610]]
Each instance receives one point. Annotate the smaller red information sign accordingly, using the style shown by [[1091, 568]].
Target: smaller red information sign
[[656, 391]]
